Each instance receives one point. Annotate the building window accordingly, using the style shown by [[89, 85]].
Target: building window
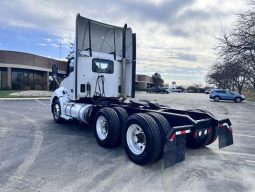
[[17, 79], [3, 78], [23, 79], [28, 80], [39, 81]]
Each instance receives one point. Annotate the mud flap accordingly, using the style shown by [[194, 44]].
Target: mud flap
[[174, 151], [225, 133]]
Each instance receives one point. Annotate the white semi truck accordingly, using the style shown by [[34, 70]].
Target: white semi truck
[[99, 89]]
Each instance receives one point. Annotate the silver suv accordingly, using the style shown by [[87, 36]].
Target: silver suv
[[220, 94]]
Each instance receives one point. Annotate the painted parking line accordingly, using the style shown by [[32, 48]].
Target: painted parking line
[[241, 132], [28, 161], [40, 102], [3, 131], [251, 124], [236, 153], [250, 161], [241, 135]]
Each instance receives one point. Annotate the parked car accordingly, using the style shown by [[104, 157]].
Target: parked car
[[158, 90], [176, 90], [220, 94], [207, 91]]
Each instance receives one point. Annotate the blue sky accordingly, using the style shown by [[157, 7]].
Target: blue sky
[[174, 37], [34, 41]]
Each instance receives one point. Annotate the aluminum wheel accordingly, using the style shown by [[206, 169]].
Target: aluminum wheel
[[101, 127], [56, 111], [136, 139]]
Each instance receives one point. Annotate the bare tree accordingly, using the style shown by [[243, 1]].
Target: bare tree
[[236, 54]]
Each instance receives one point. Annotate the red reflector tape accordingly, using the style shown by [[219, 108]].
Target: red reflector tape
[[172, 137], [182, 132]]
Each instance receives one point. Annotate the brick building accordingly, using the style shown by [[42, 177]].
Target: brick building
[[25, 71], [142, 82]]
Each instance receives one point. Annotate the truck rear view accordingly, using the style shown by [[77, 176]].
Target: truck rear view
[[97, 90]]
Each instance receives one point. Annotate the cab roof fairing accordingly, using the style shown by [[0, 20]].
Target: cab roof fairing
[[100, 37]]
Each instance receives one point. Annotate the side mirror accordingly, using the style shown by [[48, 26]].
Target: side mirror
[[54, 70]]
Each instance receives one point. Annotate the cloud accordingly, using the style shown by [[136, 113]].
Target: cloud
[[48, 40], [57, 43], [186, 57], [174, 37], [42, 44]]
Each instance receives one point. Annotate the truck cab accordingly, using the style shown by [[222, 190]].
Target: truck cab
[[96, 76], [103, 62]]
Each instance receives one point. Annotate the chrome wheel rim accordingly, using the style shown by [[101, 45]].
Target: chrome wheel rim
[[238, 100], [101, 127], [56, 111], [136, 139]]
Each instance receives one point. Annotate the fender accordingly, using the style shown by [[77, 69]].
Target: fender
[[62, 95]]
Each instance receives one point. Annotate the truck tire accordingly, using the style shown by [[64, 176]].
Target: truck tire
[[195, 143], [214, 131], [141, 139], [164, 128], [123, 116], [107, 127], [56, 111]]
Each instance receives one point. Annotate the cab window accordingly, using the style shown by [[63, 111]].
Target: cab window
[[102, 66], [70, 66]]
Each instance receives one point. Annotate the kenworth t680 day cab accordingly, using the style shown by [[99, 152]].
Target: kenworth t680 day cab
[[99, 89]]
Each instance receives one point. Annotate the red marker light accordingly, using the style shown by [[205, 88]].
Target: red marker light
[[172, 137]]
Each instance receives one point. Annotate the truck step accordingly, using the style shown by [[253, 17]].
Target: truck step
[[66, 117]]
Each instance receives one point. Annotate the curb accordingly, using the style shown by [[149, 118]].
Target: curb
[[25, 98]]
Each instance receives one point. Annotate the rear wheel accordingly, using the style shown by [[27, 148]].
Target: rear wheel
[[217, 98], [122, 114], [212, 132], [56, 111], [197, 139], [107, 127], [141, 139], [164, 128]]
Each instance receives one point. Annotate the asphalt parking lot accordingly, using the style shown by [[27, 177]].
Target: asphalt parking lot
[[36, 154]]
